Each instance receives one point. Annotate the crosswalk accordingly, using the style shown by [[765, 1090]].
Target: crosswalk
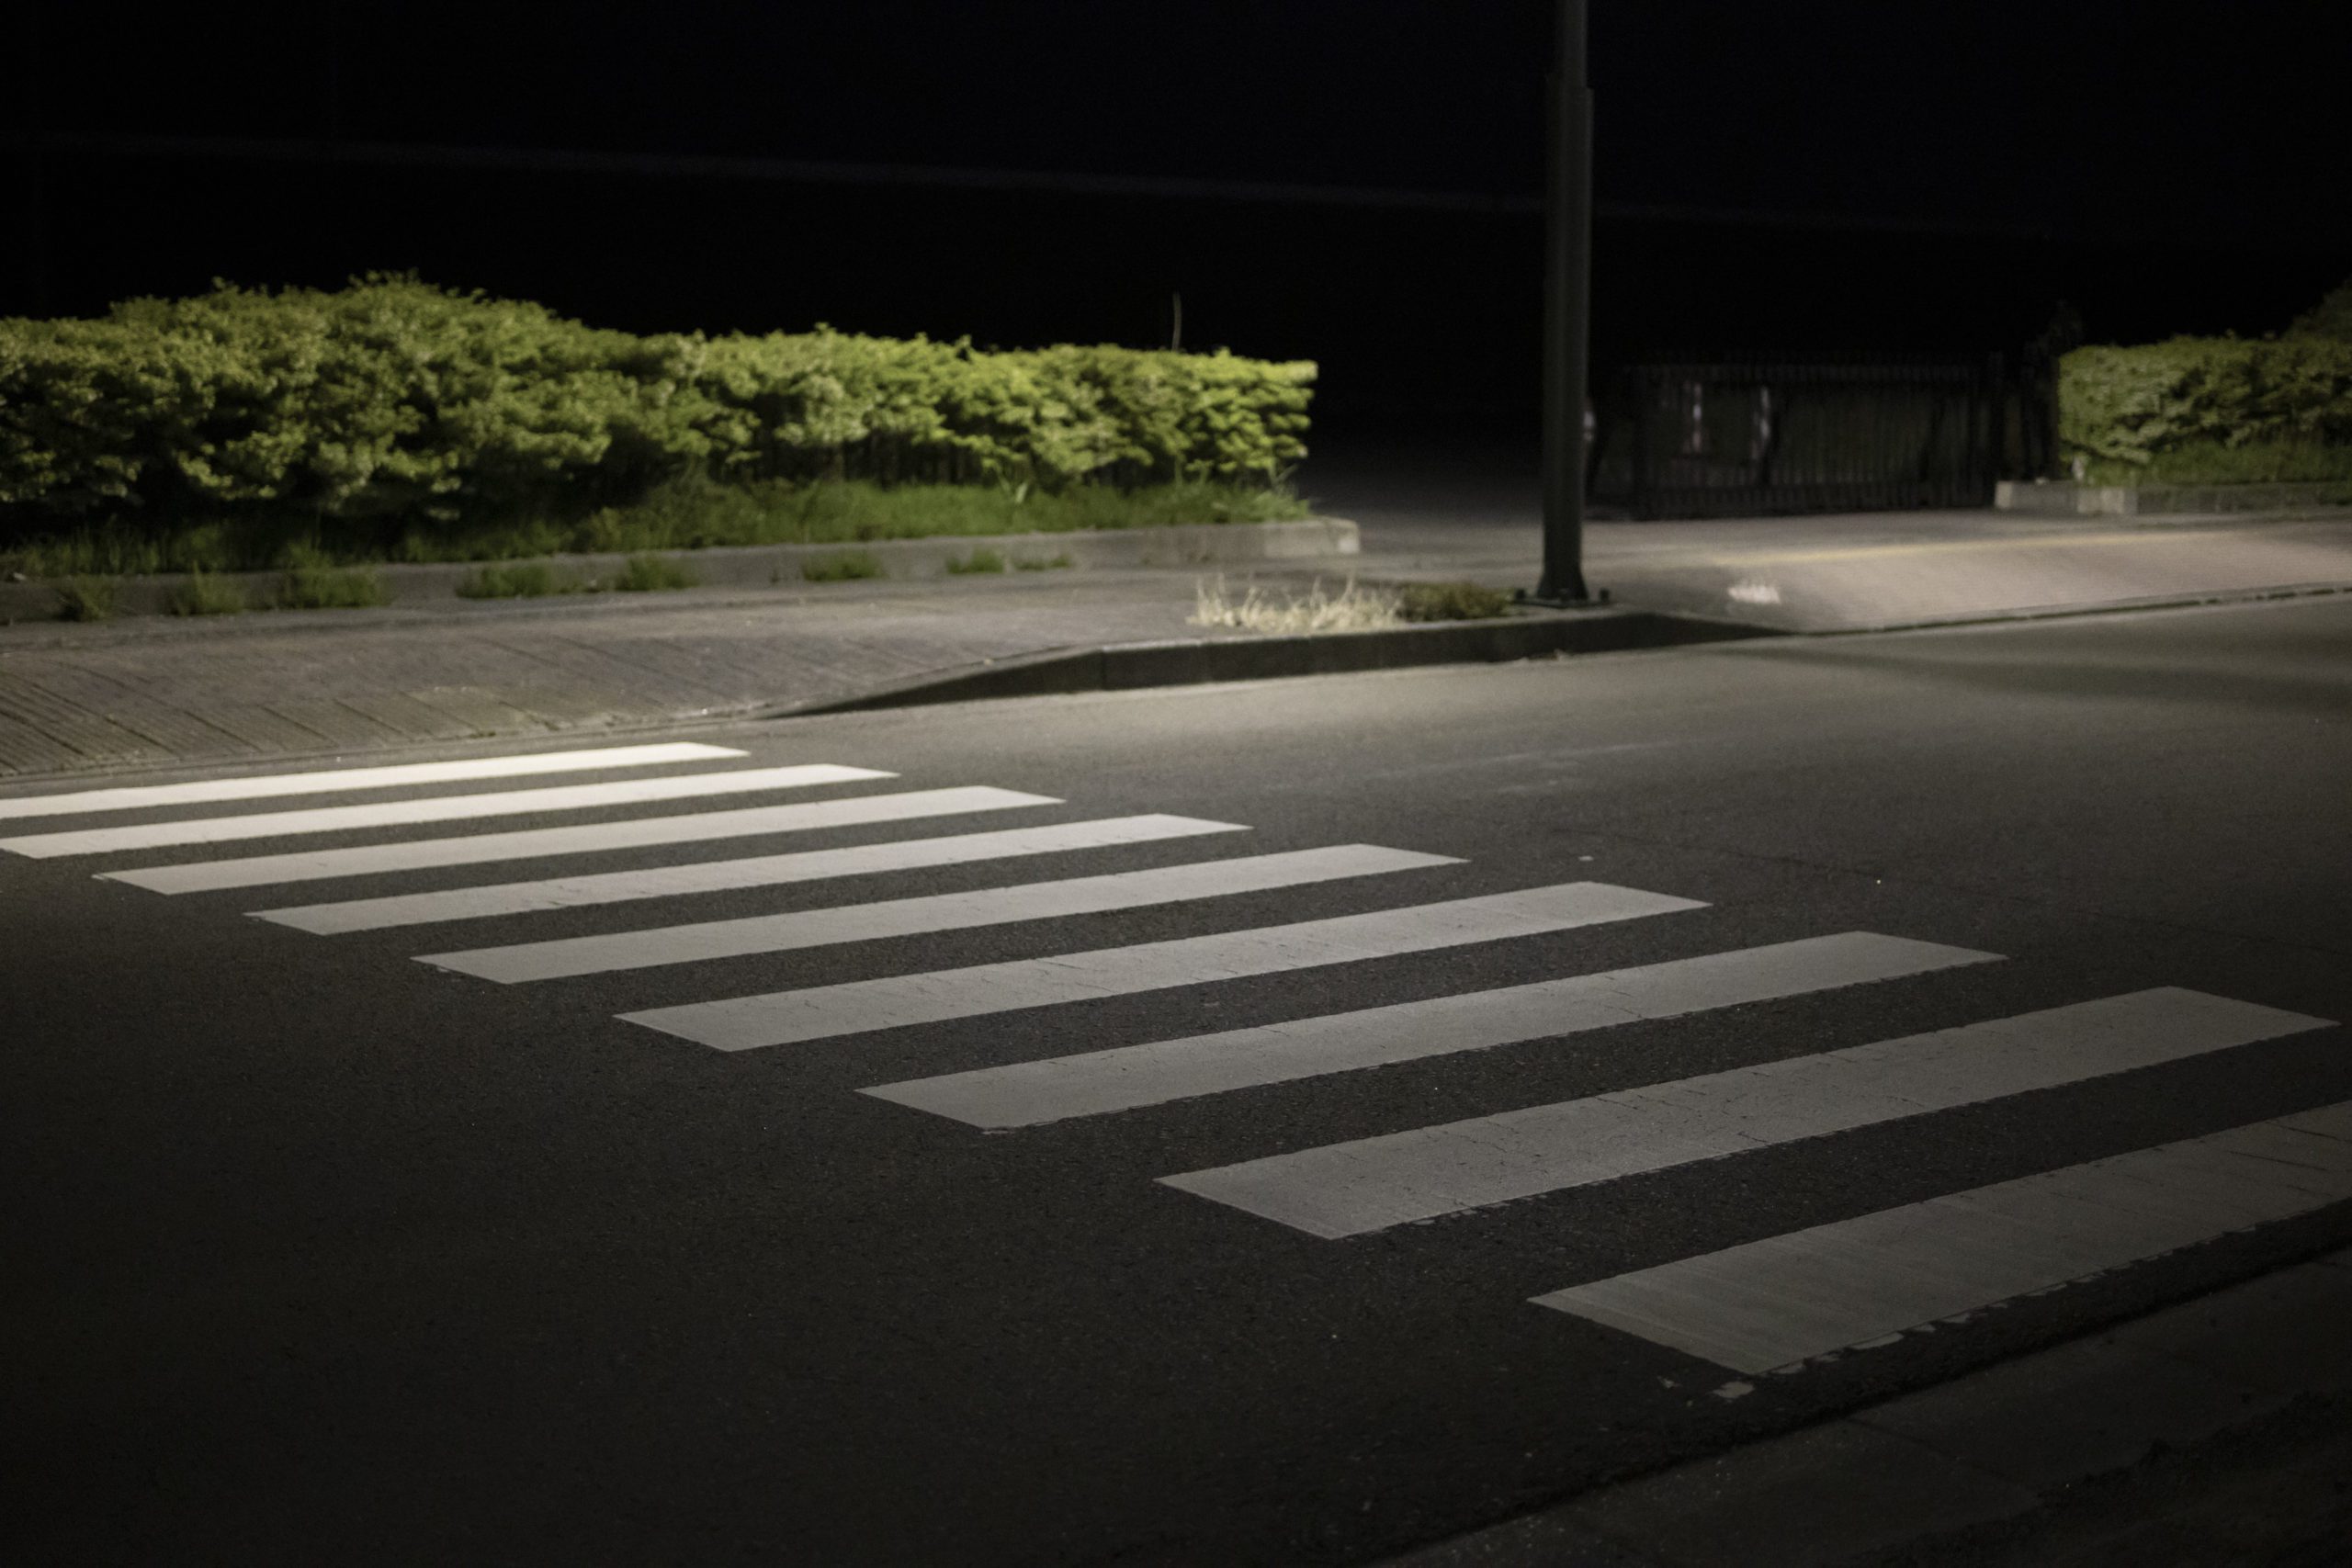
[[1775, 1303]]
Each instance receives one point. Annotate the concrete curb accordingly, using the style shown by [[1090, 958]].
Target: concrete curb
[[2061, 498], [2081, 612], [1933, 1466], [1133, 666], [1203, 544]]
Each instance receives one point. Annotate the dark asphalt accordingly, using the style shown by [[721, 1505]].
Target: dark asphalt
[[320, 1254]]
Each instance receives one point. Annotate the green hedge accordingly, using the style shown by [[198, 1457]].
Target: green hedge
[[392, 400], [2277, 407]]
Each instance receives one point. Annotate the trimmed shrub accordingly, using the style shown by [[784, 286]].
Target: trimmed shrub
[[2216, 408], [392, 404], [2132, 405], [2332, 317]]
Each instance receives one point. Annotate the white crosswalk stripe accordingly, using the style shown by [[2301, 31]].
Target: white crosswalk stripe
[[430, 809], [938, 912], [1775, 1303], [638, 832], [782, 1018], [1762, 1304], [712, 876], [1339, 1189], [1024, 1094], [330, 781]]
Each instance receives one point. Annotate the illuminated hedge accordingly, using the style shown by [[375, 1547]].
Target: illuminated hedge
[[2194, 401], [391, 399]]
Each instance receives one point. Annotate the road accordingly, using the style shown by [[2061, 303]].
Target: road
[[645, 1221]]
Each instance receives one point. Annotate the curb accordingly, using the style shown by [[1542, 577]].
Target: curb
[[1192, 543], [2065, 497], [1134, 666], [1937, 1467]]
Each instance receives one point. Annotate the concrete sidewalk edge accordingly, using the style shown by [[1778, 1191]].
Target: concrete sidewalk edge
[[1927, 1468], [2084, 611], [1117, 667]]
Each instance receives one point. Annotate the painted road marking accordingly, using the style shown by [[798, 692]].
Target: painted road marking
[[1024, 1094], [710, 876], [432, 809], [1774, 1302], [479, 848], [783, 1017], [332, 781], [1369, 1184], [914, 917]]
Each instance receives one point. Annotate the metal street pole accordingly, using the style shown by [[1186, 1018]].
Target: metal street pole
[[1567, 308], [33, 174]]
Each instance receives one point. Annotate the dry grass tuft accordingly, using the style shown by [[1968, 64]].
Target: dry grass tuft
[[1352, 609]]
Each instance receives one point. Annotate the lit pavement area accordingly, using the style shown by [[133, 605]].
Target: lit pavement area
[[318, 684], [1432, 516], [539, 1181], [1873, 571]]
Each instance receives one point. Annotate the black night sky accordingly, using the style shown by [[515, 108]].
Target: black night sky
[[1808, 176]]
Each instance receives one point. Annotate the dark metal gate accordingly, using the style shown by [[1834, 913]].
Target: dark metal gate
[[1729, 438]]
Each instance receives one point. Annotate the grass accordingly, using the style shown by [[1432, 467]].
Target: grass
[[204, 595], [1043, 563], [2210, 463], [686, 514], [696, 514], [536, 580], [313, 582], [980, 560], [1452, 602], [86, 599], [1352, 609], [654, 574], [523, 579], [846, 567]]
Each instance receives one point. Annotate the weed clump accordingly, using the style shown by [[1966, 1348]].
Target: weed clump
[[204, 594], [846, 566], [1352, 609], [1451, 602], [86, 599], [652, 574], [523, 579], [314, 582]]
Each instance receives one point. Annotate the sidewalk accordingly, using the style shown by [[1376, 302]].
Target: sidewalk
[[153, 693]]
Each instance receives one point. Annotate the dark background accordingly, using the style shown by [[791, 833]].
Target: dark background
[[1802, 176]]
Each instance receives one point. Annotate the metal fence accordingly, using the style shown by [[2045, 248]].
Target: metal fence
[[1743, 438]]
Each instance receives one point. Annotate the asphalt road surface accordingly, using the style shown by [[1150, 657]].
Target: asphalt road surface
[[1282, 1123]]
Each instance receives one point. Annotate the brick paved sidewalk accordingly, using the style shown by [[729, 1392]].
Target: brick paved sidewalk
[[75, 698], [287, 684]]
